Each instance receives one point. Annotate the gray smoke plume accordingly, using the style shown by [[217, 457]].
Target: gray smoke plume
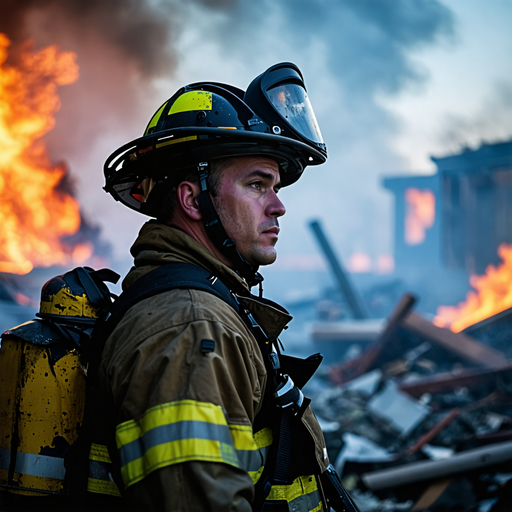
[[488, 125], [134, 54]]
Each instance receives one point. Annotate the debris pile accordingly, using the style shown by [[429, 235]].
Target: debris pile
[[421, 420]]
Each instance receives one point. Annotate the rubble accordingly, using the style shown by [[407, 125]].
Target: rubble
[[421, 420]]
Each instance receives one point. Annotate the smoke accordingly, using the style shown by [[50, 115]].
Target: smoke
[[122, 47], [139, 33], [488, 125], [352, 53], [134, 54]]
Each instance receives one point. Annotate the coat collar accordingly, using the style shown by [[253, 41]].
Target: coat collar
[[159, 244]]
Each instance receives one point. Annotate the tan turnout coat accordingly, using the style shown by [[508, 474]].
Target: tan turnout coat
[[154, 358]]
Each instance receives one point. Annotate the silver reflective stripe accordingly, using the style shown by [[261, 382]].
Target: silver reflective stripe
[[253, 460], [174, 432], [34, 465], [311, 502]]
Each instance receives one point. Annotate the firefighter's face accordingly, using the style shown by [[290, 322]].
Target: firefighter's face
[[248, 206]]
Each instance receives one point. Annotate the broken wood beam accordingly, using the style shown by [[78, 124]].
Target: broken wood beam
[[370, 355], [460, 344], [448, 381]]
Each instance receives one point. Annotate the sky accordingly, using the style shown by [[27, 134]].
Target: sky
[[392, 82]]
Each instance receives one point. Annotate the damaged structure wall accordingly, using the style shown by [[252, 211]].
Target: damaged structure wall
[[472, 216]]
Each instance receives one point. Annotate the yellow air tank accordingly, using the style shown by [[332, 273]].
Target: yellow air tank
[[43, 384], [42, 397]]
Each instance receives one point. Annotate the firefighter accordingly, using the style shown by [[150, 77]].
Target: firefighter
[[198, 405]]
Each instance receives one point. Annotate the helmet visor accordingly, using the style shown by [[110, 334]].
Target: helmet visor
[[292, 103]]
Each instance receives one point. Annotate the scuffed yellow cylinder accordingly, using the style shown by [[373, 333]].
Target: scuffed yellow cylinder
[[41, 410]]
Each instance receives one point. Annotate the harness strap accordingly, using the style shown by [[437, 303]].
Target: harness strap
[[169, 277], [188, 276]]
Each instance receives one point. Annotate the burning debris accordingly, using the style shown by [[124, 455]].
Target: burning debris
[[421, 419], [493, 294]]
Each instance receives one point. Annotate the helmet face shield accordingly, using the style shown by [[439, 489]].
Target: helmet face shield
[[208, 120], [291, 102]]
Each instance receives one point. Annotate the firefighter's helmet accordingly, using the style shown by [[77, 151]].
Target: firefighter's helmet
[[79, 295], [208, 120]]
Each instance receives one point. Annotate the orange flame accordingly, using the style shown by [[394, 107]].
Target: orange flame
[[493, 295], [34, 213], [385, 264], [420, 214], [359, 263]]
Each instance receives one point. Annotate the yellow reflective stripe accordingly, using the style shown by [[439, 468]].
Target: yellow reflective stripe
[[184, 431], [256, 475], [99, 452], [100, 477], [102, 487], [300, 486], [156, 118], [175, 141], [242, 437], [165, 414], [263, 437], [192, 100]]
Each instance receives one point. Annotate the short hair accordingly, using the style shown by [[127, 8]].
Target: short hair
[[166, 196]]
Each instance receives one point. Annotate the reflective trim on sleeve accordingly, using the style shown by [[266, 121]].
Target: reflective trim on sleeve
[[183, 431], [303, 493], [99, 486], [34, 465], [263, 439], [100, 479], [99, 452]]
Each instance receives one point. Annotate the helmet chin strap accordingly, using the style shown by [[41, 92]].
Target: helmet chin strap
[[218, 235]]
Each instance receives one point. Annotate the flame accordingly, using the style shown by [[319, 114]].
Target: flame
[[359, 263], [34, 213], [493, 295], [385, 264], [82, 252], [23, 300], [420, 215]]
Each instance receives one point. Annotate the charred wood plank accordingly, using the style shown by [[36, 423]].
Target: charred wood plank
[[364, 363], [460, 344], [469, 378]]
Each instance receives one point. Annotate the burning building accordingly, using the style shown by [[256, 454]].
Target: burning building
[[450, 225]]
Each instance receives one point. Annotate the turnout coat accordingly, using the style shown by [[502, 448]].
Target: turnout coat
[[184, 383]]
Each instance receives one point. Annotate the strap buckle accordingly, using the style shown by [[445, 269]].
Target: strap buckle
[[288, 394]]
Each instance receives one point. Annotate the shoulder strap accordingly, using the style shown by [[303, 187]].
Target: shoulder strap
[[169, 277]]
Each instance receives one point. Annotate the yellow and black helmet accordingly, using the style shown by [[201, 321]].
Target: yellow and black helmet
[[205, 121], [79, 296]]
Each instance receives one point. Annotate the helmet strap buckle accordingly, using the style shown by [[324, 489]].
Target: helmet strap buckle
[[202, 169]]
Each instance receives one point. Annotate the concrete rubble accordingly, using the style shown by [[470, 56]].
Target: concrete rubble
[[421, 420]]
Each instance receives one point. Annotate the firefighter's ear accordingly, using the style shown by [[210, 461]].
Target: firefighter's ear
[[186, 196]]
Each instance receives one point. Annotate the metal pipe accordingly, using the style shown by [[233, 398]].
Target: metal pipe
[[345, 286], [463, 462]]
